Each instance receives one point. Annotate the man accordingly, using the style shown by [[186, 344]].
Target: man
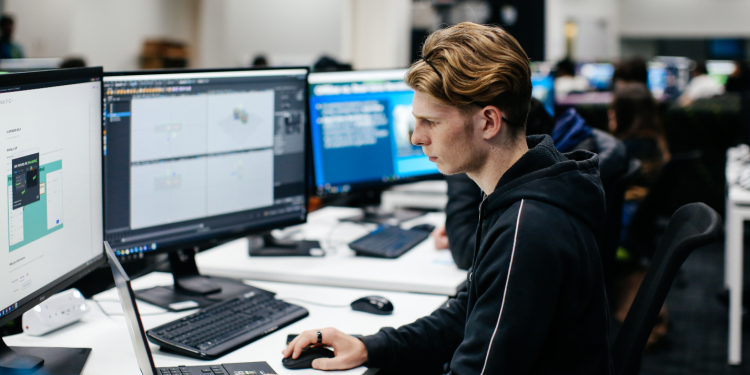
[[535, 301], [8, 49]]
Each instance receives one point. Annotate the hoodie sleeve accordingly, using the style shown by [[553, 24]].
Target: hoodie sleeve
[[519, 279], [462, 217], [423, 346]]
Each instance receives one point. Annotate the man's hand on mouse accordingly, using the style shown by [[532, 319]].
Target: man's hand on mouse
[[350, 351], [441, 237]]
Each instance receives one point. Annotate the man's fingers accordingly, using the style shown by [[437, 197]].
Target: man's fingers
[[335, 363]]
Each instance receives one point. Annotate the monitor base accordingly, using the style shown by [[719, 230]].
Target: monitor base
[[191, 289], [22, 360], [375, 215], [268, 245]]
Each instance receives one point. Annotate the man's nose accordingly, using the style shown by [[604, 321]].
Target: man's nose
[[418, 137]]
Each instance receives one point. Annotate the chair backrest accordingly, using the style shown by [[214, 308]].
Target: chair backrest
[[691, 227]]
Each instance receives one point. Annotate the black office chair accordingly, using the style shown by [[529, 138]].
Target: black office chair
[[691, 227], [609, 239]]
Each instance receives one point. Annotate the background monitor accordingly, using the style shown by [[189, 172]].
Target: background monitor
[[53, 212], [543, 89], [720, 70], [668, 76], [361, 125], [192, 158], [599, 75]]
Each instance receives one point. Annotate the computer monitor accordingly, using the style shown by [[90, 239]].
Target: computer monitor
[[194, 158], [599, 75], [720, 70], [361, 127], [50, 123], [543, 88], [668, 76]]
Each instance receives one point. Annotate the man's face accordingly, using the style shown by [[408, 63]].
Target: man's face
[[451, 139]]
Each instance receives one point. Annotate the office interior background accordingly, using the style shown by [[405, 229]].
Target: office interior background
[[594, 35]]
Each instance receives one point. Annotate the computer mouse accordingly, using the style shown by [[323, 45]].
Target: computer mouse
[[306, 357], [425, 227], [373, 305]]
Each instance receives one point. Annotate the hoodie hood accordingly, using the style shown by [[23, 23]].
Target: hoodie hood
[[568, 181], [570, 130]]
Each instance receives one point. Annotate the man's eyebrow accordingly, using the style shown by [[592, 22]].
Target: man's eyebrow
[[422, 117]]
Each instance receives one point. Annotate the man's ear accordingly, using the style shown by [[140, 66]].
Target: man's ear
[[493, 121]]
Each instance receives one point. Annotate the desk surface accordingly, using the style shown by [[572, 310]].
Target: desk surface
[[113, 351], [423, 269]]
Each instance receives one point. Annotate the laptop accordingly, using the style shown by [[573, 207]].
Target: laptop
[[138, 336]]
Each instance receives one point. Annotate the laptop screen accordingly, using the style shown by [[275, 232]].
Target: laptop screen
[[132, 317]]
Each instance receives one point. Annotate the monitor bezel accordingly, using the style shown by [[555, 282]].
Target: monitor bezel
[[360, 186], [64, 281], [212, 239]]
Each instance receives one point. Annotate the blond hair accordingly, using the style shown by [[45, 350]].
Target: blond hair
[[475, 65]]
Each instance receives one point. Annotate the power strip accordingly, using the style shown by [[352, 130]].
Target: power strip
[[58, 311]]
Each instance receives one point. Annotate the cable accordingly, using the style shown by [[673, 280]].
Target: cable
[[314, 303], [122, 314]]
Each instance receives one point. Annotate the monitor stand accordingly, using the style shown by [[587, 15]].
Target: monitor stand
[[191, 289], [375, 215], [40, 360], [266, 244]]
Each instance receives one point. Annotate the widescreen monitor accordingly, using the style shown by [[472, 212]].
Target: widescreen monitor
[[599, 75], [192, 158], [51, 123], [720, 70], [668, 76], [543, 89], [361, 125]]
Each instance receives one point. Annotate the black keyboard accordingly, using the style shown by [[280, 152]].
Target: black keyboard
[[221, 328], [388, 242]]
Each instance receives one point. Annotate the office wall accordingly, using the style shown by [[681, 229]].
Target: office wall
[[381, 34], [288, 32], [598, 31], [109, 33], [684, 18]]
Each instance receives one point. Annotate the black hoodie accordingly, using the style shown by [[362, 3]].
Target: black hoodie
[[535, 302]]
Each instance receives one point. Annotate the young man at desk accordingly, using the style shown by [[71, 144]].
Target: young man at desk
[[535, 302]]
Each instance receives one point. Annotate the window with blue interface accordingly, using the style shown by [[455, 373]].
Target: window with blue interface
[[362, 124]]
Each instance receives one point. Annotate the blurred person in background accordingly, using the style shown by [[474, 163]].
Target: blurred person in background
[[73, 62], [633, 118], [8, 49], [700, 86], [260, 61], [739, 81], [566, 81], [630, 70]]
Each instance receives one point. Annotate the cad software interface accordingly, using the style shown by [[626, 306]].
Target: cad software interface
[[194, 154], [52, 163], [362, 124]]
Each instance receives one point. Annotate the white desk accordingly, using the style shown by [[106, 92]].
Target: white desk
[[737, 211], [422, 269], [113, 351]]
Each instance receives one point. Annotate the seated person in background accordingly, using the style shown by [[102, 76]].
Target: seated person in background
[[569, 133], [633, 118], [566, 80], [700, 86], [630, 70], [8, 48], [535, 304]]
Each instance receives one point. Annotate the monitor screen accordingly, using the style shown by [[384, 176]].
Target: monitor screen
[[598, 75], [361, 130], [543, 89], [51, 152], [720, 70], [202, 155]]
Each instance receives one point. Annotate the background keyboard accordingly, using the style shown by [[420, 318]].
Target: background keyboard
[[388, 242]]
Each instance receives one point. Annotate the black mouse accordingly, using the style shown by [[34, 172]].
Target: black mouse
[[423, 227], [373, 305], [306, 357]]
